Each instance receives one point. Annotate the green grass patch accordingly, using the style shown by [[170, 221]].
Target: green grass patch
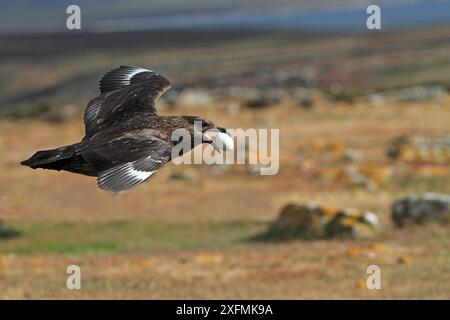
[[125, 236]]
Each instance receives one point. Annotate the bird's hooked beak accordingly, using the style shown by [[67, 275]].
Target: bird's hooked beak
[[219, 138]]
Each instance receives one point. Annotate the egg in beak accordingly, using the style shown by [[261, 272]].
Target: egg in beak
[[220, 139]]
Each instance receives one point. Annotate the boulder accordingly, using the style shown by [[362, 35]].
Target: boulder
[[303, 97], [324, 222], [256, 97], [419, 209], [368, 176], [420, 149], [185, 175], [7, 232]]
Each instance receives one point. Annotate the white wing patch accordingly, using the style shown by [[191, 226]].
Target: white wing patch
[[119, 78], [142, 175], [134, 72], [122, 177]]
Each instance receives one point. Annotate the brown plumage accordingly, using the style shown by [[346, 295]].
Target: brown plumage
[[125, 141]]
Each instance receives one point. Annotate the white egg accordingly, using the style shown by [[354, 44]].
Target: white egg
[[371, 218], [224, 140]]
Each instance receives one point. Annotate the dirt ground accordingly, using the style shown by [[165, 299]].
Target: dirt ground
[[414, 261]]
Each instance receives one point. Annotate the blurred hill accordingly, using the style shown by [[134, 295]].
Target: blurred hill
[[43, 72]]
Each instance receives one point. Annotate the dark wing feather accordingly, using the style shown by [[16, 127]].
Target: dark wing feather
[[128, 160], [124, 76], [124, 90]]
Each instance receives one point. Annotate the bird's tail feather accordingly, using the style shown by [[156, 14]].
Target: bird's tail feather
[[54, 159]]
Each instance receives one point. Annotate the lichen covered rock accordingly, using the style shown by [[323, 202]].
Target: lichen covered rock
[[325, 222], [421, 208]]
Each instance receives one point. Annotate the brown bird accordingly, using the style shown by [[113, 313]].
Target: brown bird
[[125, 140]]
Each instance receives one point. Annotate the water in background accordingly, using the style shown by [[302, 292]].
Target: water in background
[[348, 19]]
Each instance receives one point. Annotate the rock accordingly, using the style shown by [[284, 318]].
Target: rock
[[405, 260], [195, 98], [303, 98], [257, 98], [368, 176], [352, 175], [244, 93], [410, 94], [307, 77], [233, 109], [219, 169], [420, 209], [338, 93], [253, 169], [300, 217], [7, 232], [185, 175], [352, 223], [321, 222], [394, 148], [376, 99], [260, 102], [378, 173], [420, 149], [307, 103], [351, 155]]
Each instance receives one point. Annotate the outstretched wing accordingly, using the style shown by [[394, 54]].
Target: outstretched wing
[[124, 91], [126, 161], [125, 75]]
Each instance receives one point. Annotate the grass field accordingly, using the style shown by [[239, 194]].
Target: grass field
[[196, 239]]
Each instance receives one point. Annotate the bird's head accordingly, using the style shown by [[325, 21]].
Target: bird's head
[[206, 131]]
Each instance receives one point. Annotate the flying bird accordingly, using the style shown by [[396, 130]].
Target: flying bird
[[125, 140]]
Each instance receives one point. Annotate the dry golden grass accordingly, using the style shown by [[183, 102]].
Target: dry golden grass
[[293, 270]]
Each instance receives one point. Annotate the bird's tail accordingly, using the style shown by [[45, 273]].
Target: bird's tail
[[55, 159]]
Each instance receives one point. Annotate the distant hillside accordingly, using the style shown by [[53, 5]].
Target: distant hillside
[[49, 71]]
